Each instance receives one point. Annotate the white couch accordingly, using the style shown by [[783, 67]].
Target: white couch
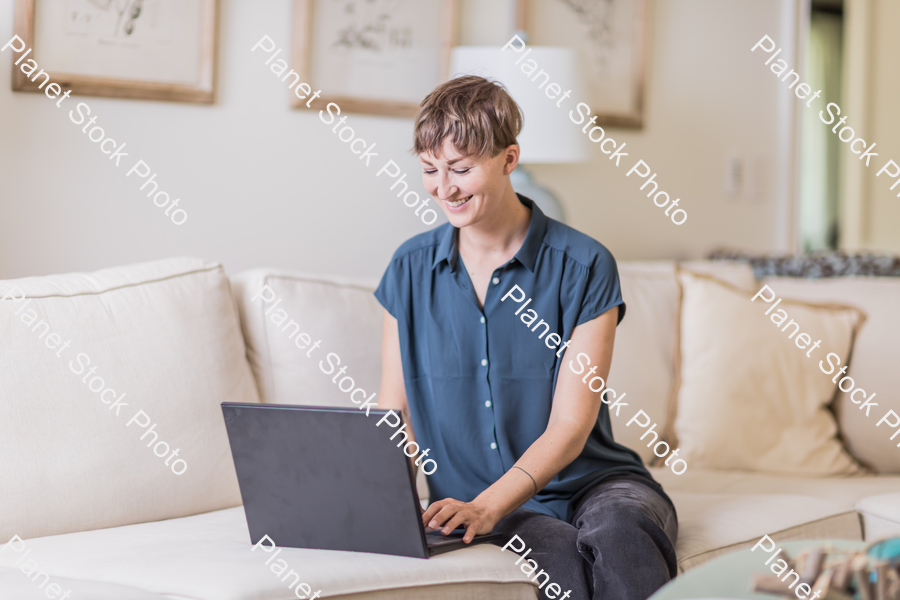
[[104, 518]]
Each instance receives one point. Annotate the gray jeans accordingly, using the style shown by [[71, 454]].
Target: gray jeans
[[619, 545]]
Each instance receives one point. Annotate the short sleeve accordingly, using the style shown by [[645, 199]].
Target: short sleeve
[[388, 291], [602, 291]]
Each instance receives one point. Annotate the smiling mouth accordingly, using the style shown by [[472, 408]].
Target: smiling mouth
[[458, 203]]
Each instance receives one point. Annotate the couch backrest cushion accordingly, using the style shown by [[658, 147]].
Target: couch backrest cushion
[[645, 340], [164, 334], [342, 315], [873, 365], [642, 364], [749, 398]]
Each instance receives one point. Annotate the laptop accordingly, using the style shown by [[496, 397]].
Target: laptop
[[328, 478]]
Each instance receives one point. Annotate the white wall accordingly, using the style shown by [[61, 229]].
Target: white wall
[[265, 185], [707, 96]]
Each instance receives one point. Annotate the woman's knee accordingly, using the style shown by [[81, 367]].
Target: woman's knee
[[627, 505], [624, 515], [545, 535]]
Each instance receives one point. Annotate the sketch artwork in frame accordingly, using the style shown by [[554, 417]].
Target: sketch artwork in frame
[[610, 37], [147, 49], [379, 57]]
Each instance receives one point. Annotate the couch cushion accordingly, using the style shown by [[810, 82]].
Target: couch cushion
[[872, 368], [342, 314], [881, 515], [209, 557], [721, 511], [642, 363], [166, 335], [15, 584], [642, 358], [749, 397], [738, 274]]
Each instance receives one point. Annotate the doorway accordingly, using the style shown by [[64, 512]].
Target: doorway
[[820, 149]]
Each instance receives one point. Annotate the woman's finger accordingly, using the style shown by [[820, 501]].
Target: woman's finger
[[445, 514], [433, 509], [461, 516], [471, 531]]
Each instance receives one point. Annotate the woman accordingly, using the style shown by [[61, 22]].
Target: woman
[[522, 444]]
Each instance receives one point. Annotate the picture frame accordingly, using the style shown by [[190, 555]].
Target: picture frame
[[380, 57], [138, 49], [611, 36]]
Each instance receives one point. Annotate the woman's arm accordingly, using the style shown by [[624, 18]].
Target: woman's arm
[[393, 391], [572, 417]]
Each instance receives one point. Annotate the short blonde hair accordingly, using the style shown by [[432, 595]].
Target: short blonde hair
[[478, 116]]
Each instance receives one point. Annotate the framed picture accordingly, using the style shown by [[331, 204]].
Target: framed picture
[[149, 49], [610, 35], [380, 57]]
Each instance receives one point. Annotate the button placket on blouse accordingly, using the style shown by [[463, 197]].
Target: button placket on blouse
[[484, 344], [487, 403], [495, 281]]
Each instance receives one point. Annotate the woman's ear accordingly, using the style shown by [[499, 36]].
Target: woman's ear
[[512, 159]]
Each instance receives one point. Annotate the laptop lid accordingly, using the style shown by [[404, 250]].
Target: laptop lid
[[325, 478]]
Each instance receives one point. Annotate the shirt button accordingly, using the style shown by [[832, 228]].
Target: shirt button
[[483, 362], [482, 319], [487, 403], [493, 446], [496, 280]]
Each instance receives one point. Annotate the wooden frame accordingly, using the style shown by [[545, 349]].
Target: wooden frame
[[301, 58], [203, 91], [633, 117]]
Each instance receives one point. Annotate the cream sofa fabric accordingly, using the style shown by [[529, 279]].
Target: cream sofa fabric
[[722, 511], [15, 585], [881, 515], [341, 313], [873, 364], [209, 557], [738, 274], [749, 397], [164, 333], [645, 340], [844, 492]]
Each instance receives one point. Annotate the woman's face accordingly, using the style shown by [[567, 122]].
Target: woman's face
[[468, 188]]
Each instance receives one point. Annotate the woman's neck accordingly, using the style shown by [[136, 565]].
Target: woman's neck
[[501, 234]]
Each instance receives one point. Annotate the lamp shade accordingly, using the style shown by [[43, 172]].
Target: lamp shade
[[549, 135]]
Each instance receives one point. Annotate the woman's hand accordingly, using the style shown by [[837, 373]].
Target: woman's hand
[[448, 514]]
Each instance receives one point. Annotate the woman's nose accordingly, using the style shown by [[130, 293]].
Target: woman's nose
[[446, 188]]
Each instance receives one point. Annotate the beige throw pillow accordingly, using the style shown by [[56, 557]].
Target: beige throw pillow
[[749, 398], [161, 338]]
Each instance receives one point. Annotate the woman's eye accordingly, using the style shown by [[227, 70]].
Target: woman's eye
[[457, 171]]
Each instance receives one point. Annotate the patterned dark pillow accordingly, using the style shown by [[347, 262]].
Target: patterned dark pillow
[[816, 265]]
